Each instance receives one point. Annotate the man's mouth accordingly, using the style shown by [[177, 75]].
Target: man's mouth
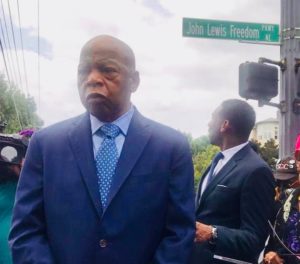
[[92, 96]]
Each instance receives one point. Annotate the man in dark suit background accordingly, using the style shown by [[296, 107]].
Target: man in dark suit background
[[236, 193], [109, 186]]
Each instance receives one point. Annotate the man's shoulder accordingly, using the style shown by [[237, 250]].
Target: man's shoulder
[[254, 167], [162, 131], [61, 128], [250, 162], [252, 158]]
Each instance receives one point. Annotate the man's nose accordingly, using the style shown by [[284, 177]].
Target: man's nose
[[94, 78]]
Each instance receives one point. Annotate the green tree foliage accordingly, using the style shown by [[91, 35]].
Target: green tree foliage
[[202, 153], [202, 160], [17, 110], [199, 144], [269, 152]]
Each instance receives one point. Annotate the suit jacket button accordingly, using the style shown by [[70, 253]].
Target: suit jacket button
[[103, 243]]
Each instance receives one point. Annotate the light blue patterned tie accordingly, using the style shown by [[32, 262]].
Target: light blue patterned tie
[[106, 160]]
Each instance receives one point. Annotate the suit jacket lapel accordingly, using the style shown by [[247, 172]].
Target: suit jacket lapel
[[200, 186], [224, 172], [218, 177], [137, 137], [82, 145]]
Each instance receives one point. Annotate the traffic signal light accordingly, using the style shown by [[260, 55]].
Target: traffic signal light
[[258, 81]]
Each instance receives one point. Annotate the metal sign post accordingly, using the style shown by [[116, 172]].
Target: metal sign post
[[289, 121]]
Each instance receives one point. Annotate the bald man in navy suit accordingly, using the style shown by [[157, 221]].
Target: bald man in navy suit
[[109, 186]]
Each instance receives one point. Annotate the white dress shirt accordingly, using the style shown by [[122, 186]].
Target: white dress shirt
[[228, 154], [122, 122]]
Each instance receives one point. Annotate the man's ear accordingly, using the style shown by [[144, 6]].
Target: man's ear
[[225, 126], [134, 81]]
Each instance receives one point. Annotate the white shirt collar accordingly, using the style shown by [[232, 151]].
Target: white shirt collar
[[229, 153]]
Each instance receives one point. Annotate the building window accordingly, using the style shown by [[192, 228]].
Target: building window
[[276, 133]]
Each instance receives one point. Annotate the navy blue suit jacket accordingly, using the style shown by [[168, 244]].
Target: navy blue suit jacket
[[239, 202], [150, 215]]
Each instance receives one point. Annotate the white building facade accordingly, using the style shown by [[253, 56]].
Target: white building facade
[[266, 130]]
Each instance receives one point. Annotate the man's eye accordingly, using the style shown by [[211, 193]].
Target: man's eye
[[109, 70]]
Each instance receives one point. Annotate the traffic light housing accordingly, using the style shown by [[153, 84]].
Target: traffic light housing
[[258, 81]]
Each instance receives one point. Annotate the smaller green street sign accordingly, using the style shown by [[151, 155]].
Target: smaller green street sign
[[218, 29]]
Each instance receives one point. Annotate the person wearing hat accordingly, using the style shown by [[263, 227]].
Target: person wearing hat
[[12, 153], [9, 174], [284, 243]]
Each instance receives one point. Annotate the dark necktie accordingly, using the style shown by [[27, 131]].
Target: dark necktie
[[214, 163], [106, 160]]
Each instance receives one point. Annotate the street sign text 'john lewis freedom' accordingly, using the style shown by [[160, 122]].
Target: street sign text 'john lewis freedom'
[[217, 29]]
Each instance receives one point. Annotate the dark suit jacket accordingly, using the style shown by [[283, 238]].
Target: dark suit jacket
[[239, 202], [150, 215]]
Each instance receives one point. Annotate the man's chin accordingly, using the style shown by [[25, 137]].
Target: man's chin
[[103, 113]]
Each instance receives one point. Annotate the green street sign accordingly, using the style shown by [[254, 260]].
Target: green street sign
[[218, 29]]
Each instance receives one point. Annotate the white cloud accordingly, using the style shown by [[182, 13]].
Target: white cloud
[[182, 79]]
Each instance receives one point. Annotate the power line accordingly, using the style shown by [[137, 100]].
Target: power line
[[17, 57], [4, 60], [14, 41], [9, 70], [9, 46], [12, 92], [21, 38]]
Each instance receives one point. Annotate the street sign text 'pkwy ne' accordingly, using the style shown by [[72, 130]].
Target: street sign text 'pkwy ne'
[[218, 29]]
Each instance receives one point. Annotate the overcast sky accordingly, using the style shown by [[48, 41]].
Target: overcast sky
[[182, 79]]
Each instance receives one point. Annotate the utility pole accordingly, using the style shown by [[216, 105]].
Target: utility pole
[[289, 119]]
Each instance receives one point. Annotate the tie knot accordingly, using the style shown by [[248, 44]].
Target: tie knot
[[218, 157], [110, 130]]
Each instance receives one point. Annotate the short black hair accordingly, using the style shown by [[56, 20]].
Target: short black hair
[[241, 116]]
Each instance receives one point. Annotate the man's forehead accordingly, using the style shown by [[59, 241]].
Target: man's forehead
[[95, 61], [107, 48], [106, 41], [101, 52], [105, 60], [101, 56]]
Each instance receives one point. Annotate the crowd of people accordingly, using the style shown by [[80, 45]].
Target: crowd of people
[[114, 187], [284, 242]]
